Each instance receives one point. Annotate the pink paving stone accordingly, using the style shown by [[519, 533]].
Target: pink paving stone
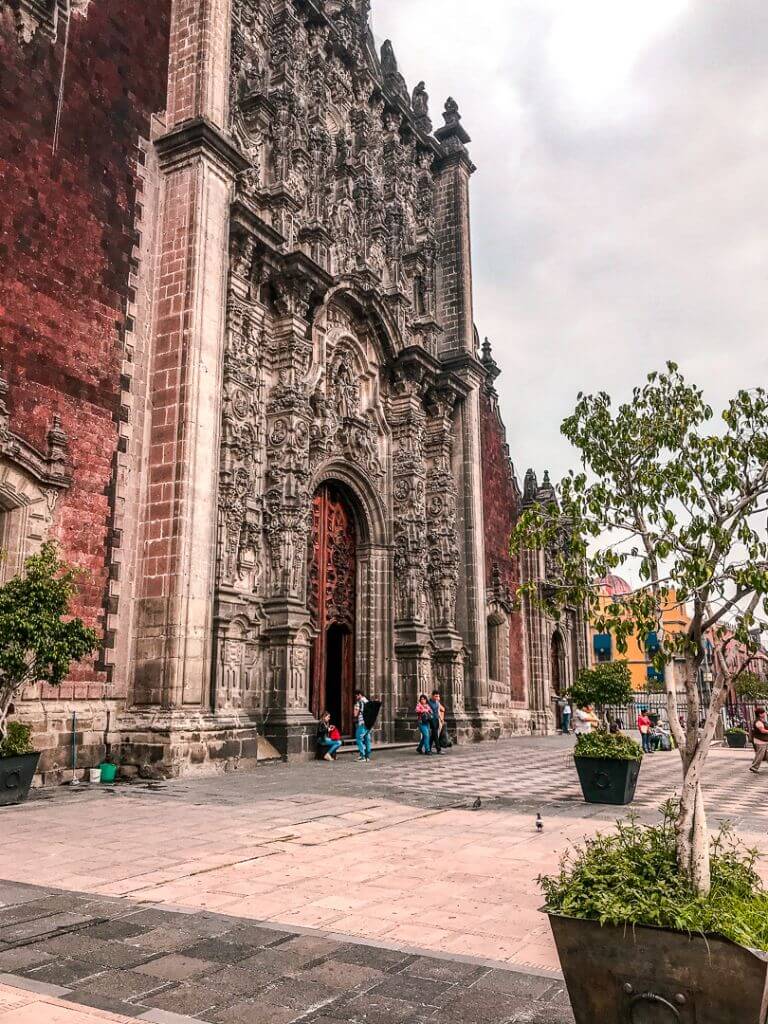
[[17, 1007]]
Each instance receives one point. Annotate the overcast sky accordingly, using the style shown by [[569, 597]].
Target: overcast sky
[[619, 207]]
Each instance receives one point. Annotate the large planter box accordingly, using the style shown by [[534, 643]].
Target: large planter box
[[637, 975], [16, 774], [607, 781], [736, 742]]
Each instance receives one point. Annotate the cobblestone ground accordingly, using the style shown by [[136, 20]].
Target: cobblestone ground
[[384, 868]]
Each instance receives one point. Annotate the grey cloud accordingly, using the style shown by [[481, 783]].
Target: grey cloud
[[605, 245]]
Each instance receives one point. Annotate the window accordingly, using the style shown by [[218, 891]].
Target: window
[[498, 647], [602, 644]]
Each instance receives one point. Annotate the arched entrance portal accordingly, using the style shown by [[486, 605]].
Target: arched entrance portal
[[332, 601]]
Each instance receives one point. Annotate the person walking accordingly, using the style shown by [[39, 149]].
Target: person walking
[[644, 725], [438, 720], [326, 743], [759, 739], [362, 732], [566, 716], [424, 721]]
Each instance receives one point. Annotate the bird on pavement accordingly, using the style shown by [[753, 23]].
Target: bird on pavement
[[477, 804], [539, 823]]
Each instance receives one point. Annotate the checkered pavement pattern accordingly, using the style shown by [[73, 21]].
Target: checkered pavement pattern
[[515, 773]]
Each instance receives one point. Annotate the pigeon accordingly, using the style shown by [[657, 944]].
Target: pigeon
[[539, 823], [477, 804]]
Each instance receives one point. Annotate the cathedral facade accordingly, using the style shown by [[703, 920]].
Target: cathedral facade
[[243, 387]]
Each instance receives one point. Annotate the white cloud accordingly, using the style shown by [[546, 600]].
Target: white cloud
[[619, 217]]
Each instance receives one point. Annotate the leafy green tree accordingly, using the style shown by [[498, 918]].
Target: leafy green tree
[[607, 684], [750, 687], [683, 504], [38, 638]]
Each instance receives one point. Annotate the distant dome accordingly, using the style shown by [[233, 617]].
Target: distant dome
[[614, 586]]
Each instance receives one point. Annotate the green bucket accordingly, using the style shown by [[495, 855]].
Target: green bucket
[[108, 772]]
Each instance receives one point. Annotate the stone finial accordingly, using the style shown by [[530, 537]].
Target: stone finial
[[453, 135], [420, 104], [530, 487], [490, 364], [58, 447], [393, 80], [546, 493]]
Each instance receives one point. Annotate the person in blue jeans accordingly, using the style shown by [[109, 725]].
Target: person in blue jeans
[[328, 747], [424, 719], [362, 732]]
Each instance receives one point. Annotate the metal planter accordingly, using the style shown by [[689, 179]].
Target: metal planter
[[639, 975], [16, 774], [736, 741], [606, 780]]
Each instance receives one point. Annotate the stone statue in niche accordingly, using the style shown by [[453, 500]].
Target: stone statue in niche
[[347, 391]]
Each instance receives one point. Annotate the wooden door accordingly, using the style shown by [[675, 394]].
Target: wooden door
[[332, 599]]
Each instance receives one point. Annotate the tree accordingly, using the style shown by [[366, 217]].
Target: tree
[[38, 639], [750, 687], [605, 685], [684, 506]]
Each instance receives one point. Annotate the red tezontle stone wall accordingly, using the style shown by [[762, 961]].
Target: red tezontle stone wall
[[500, 511], [66, 239]]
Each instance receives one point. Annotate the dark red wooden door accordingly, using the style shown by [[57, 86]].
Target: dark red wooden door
[[332, 574]]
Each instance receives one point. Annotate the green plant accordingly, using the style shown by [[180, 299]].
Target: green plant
[[613, 746], [38, 640], [631, 877], [607, 684], [682, 504], [17, 740], [736, 730], [750, 687]]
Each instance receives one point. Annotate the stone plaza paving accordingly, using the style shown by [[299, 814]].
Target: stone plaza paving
[[318, 893]]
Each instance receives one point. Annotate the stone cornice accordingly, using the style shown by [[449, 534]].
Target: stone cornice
[[464, 365], [200, 137]]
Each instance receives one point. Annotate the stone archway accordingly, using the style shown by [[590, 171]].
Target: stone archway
[[26, 514]]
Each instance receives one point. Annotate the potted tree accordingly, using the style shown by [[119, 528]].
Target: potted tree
[[684, 505], [38, 642], [608, 764], [736, 737]]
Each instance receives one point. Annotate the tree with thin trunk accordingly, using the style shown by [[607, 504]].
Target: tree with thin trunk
[[681, 504], [39, 639]]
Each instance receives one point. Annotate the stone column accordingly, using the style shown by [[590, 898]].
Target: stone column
[[198, 164], [444, 557], [457, 352], [288, 510], [412, 637]]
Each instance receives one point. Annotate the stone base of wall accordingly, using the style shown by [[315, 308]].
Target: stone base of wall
[[53, 725]]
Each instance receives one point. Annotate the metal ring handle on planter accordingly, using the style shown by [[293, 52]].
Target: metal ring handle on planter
[[12, 780], [648, 1008], [601, 779]]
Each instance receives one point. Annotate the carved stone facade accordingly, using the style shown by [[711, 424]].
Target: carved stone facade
[[304, 476]]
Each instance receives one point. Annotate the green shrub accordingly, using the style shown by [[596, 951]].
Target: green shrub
[[606, 684], [17, 741], [631, 877], [614, 746], [736, 730]]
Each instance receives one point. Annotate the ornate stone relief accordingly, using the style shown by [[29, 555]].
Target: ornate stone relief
[[33, 16]]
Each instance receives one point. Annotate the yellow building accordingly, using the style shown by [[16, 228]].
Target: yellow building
[[639, 651]]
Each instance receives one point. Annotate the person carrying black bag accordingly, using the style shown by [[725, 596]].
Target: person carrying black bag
[[439, 735]]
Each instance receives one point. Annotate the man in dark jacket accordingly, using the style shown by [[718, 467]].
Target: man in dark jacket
[[438, 717]]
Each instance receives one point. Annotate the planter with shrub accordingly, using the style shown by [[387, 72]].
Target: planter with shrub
[[608, 765], [637, 943], [736, 738], [18, 763], [38, 643]]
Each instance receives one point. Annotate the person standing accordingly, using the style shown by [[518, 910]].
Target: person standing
[[438, 718], [644, 725], [424, 721], [759, 739], [566, 716], [362, 732], [583, 719]]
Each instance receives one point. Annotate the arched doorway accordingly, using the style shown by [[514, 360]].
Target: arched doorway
[[332, 604], [559, 682]]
